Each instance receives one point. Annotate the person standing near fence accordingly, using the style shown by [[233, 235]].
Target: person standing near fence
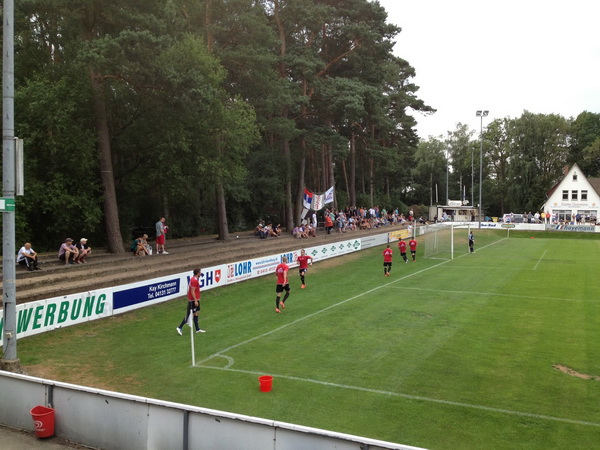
[[193, 304], [161, 231]]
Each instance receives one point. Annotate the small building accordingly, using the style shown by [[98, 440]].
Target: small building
[[574, 195], [454, 211]]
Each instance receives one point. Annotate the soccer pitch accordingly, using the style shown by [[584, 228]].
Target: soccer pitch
[[496, 349]]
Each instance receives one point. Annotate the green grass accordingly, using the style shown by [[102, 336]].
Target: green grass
[[443, 354]]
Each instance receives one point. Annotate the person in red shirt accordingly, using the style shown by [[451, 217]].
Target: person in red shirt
[[413, 249], [387, 261], [303, 260], [193, 304], [283, 284], [328, 223], [402, 248]]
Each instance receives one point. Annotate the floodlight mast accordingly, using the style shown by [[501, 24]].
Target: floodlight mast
[[481, 114]]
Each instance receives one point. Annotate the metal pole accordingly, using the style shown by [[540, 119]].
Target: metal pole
[[447, 169], [481, 114], [9, 334], [472, 180], [480, 166]]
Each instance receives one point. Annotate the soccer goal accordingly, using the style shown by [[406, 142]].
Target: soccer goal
[[445, 240]]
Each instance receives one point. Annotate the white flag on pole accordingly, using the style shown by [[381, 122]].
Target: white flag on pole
[[329, 195]]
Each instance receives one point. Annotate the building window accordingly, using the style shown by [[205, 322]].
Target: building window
[[583, 195], [565, 195], [574, 195], [574, 177]]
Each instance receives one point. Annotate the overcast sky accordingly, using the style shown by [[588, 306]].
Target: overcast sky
[[505, 56]]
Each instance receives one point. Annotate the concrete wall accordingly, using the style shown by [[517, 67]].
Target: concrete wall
[[104, 419]]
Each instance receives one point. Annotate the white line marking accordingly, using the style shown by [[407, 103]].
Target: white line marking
[[417, 397], [382, 392], [268, 333], [540, 260]]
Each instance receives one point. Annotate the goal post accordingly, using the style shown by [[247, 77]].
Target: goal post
[[445, 241]]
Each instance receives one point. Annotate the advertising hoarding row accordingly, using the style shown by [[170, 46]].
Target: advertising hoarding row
[[46, 315]]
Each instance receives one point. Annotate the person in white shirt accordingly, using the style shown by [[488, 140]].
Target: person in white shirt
[[28, 257]]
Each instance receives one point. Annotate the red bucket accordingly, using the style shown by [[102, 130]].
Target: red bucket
[[266, 383], [43, 420]]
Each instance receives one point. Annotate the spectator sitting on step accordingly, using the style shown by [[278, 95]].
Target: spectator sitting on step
[[297, 232], [84, 250], [28, 257], [141, 247], [259, 229], [272, 231], [67, 252]]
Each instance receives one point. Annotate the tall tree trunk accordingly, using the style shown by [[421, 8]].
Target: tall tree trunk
[[301, 183], [345, 171], [221, 212], [371, 181], [331, 166], [289, 209], [114, 239], [430, 188], [289, 206], [352, 183]]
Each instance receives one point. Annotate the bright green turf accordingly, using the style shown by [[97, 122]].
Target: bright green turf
[[410, 359]]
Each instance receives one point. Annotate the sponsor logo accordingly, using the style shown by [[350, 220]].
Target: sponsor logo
[[54, 314], [209, 278], [508, 225], [241, 269], [577, 228]]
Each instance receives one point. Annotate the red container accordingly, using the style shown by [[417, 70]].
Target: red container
[[266, 383], [43, 420]]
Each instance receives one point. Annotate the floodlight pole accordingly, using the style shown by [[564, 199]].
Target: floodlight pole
[[447, 168], [481, 114], [9, 359]]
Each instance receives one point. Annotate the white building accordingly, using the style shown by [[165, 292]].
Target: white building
[[575, 194]]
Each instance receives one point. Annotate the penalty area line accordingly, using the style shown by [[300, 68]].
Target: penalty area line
[[417, 398]]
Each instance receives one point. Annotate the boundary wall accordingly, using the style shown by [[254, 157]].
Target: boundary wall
[[104, 419]]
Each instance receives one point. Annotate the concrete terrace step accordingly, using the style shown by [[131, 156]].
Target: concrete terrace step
[[105, 269]]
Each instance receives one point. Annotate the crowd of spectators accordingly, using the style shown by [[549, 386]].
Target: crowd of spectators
[[341, 221], [353, 218], [266, 231]]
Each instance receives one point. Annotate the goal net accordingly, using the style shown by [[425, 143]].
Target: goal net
[[445, 241]]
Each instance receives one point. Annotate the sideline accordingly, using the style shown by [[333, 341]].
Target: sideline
[[418, 398]]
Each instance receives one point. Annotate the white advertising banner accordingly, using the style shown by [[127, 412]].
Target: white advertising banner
[[45, 315]]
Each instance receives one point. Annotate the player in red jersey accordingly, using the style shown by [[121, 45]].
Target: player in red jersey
[[283, 284], [303, 262], [193, 304], [413, 249], [387, 261], [402, 248]]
